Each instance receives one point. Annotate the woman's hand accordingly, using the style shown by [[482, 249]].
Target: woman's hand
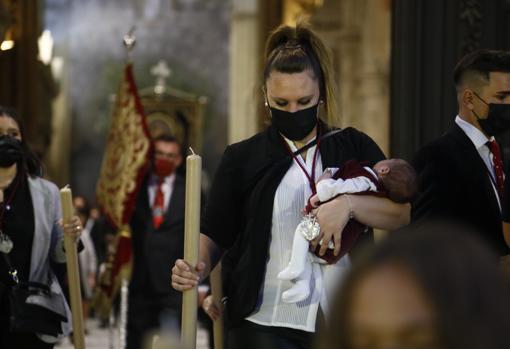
[[213, 309], [73, 228], [332, 216], [184, 277]]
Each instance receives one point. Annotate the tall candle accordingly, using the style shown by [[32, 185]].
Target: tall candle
[[191, 240], [73, 275]]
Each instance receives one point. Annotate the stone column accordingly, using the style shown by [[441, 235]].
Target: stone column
[[244, 69], [358, 33], [372, 97], [59, 152]]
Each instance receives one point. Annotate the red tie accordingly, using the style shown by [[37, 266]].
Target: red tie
[[498, 164], [158, 208]]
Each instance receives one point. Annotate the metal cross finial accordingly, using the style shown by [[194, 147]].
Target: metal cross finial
[[130, 41], [161, 72]]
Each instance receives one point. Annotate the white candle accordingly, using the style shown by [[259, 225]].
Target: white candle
[[191, 240], [66, 199]]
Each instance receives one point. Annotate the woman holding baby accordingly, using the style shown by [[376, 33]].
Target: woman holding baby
[[260, 189]]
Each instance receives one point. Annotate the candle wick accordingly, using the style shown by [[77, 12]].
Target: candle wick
[[192, 152]]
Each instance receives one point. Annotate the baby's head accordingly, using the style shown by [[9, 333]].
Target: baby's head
[[398, 178]]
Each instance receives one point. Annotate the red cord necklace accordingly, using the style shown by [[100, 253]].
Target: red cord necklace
[[310, 177]]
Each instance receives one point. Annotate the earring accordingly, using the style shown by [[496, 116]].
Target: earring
[[266, 104]]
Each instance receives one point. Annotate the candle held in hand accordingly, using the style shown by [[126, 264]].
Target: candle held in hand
[[191, 239]]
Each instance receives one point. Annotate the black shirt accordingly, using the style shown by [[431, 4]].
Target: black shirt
[[18, 223], [239, 210]]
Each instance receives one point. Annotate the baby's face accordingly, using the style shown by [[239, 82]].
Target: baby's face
[[382, 168]]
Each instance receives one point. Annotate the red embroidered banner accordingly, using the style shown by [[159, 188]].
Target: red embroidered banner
[[126, 157], [125, 163]]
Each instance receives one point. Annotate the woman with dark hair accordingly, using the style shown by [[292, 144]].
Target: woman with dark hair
[[260, 188], [31, 163], [435, 287], [31, 233]]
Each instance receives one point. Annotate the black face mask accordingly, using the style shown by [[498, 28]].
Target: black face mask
[[295, 126], [10, 151], [498, 118]]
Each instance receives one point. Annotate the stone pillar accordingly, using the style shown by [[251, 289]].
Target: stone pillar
[[372, 97], [59, 152], [358, 34], [245, 51]]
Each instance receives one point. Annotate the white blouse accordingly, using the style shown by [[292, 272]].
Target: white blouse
[[290, 199]]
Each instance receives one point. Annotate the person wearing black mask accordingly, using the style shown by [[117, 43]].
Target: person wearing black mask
[[260, 188], [31, 234], [157, 235], [461, 174]]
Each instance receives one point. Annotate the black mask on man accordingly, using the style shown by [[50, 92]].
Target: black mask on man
[[295, 126], [498, 118], [10, 151]]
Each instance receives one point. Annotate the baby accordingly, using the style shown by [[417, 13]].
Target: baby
[[393, 178]]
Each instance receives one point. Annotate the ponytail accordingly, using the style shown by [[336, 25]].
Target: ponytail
[[295, 49]]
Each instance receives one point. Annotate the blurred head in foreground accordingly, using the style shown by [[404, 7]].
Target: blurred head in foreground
[[433, 287]]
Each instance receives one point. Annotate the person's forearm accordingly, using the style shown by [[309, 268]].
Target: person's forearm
[[209, 253], [380, 213]]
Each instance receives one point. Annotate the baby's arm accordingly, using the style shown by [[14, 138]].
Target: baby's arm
[[329, 188]]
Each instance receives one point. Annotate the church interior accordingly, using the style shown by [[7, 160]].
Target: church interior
[[198, 65]]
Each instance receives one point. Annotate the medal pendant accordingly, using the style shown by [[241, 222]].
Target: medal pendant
[[309, 227], [6, 244]]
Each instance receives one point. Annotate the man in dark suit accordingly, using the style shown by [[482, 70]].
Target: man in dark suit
[[461, 175], [157, 229]]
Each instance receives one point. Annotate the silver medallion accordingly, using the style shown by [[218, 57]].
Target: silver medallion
[[6, 244], [309, 227]]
